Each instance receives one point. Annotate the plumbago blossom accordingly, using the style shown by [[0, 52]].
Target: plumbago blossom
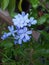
[[21, 33], [12, 32], [22, 20]]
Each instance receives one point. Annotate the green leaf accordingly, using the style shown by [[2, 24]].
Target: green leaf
[[42, 19], [45, 35], [11, 6], [6, 44], [4, 4], [34, 3]]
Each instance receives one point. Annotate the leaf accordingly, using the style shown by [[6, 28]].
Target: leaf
[[45, 35], [34, 3], [42, 19], [6, 44], [11, 6], [4, 4]]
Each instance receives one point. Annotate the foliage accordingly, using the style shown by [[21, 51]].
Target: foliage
[[10, 4], [34, 52]]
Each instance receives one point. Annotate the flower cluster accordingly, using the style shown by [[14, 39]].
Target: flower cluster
[[20, 30], [22, 20]]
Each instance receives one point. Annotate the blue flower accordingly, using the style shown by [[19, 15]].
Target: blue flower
[[23, 35], [23, 13], [22, 20], [12, 32], [19, 41], [21, 23], [32, 21], [5, 35]]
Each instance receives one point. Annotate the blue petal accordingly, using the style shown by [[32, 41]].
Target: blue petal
[[21, 36], [25, 24], [16, 37], [21, 25], [29, 32], [26, 17], [19, 41], [24, 40], [20, 31], [29, 24], [14, 21], [19, 15], [15, 41], [27, 37], [8, 34], [11, 28], [31, 19], [15, 31], [27, 21], [23, 13], [25, 29], [16, 16], [13, 34], [34, 22], [4, 36]]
